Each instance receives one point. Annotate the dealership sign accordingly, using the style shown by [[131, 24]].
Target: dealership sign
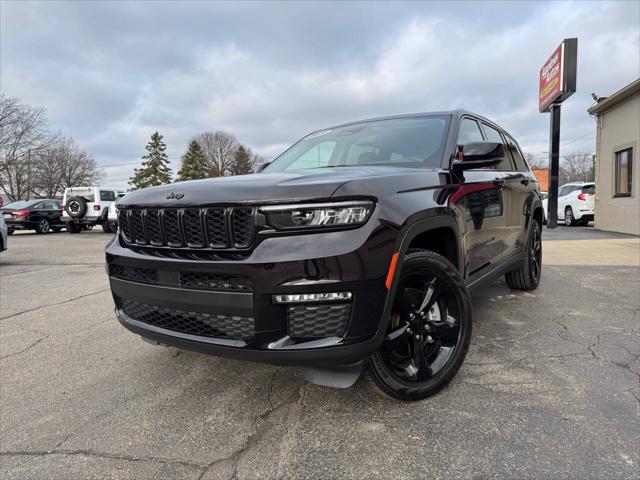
[[558, 75]]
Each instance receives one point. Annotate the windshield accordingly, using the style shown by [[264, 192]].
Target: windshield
[[403, 142], [21, 204]]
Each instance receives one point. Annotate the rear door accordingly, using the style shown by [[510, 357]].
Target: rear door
[[520, 189], [564, 198], [106, 198], [482, 196]]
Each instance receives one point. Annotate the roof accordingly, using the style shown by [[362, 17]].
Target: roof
[[615, 98], [457, 113]]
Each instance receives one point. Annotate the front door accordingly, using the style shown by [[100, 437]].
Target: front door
[[482, 198]]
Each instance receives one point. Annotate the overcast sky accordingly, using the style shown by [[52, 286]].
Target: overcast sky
[[111, 73]]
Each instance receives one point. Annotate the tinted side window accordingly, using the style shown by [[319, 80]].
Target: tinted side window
[[521, 164], [469, 132], [493, 135], [107, 196]]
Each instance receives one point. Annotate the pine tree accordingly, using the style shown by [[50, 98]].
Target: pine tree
[[155, 166], [242, 162], [194, 163]]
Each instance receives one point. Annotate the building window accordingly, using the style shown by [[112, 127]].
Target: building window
[[623, 172]]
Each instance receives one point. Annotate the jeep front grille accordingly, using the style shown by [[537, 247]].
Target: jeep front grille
[[193, 323], [193, 228]]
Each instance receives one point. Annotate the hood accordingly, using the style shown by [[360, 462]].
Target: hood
[[260, 188]]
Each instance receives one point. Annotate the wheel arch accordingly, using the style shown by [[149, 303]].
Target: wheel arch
[[416, 235]]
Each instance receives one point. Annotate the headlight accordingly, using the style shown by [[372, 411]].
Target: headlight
[[339, 214]]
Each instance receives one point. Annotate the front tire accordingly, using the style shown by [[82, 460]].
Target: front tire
[[43, 226], [429, 332], [106, 227], [10, 231]]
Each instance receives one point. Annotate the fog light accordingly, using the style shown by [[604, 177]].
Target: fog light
[[312, 297]]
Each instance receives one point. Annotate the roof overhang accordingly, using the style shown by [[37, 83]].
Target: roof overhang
[[616, 98]]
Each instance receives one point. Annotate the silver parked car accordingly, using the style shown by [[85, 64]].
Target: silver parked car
[[3, 235]]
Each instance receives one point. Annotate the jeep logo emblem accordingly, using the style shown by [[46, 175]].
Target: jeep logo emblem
[[175, 196]]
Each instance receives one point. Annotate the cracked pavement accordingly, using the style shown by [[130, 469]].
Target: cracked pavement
[[550, 388]]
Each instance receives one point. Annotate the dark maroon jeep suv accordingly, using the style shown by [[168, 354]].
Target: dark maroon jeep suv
[[353, 251]]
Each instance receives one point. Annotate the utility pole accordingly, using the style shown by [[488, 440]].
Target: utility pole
[[29, 174]]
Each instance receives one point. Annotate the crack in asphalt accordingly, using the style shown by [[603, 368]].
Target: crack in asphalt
[[262, 425], [98, 454], [54, 304], [25, 349]]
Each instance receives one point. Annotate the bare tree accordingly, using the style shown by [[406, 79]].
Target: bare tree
[[22, 134], [219, 150], [577, 167], [63, 164], [536, 162]]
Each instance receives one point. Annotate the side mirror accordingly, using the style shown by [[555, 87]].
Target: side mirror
[[478, 155], [262, 166]]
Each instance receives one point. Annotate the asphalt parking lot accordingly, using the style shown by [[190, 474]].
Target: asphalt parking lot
[[550, 388]]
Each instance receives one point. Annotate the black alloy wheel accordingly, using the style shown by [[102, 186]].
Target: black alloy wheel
[[43, 226], [429, 332], [527, 275]]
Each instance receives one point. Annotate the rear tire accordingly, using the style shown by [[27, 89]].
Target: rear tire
[[10, 231], [43, 226], [74, 227], [569, 219], [527, 277], [433, 349]]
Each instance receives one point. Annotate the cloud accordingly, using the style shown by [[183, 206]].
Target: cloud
[[110, 74]]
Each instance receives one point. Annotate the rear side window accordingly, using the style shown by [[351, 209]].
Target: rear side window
[[589, 188], [107, 196], [521, 164], [493, 135], [86, 193], [469, 132]]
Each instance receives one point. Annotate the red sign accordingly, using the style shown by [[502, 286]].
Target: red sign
[[551, 79]]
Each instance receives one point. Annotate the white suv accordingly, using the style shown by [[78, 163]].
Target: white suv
[[576, 203], [85, 207]]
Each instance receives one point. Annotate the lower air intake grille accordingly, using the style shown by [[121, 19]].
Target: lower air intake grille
[[193, 323], [318, 321], [210, 281], [134, 274]]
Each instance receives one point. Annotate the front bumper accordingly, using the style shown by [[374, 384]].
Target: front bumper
[[238, 318]]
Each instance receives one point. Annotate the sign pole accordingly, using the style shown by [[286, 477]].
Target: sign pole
[[557, 82], [554, 166]]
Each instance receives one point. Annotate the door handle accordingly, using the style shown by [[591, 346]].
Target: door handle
[[499, 182]]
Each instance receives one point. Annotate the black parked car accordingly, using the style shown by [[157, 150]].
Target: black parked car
[[354, 250], [42, 215]]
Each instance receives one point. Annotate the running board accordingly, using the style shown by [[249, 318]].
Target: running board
[[335, 377]]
